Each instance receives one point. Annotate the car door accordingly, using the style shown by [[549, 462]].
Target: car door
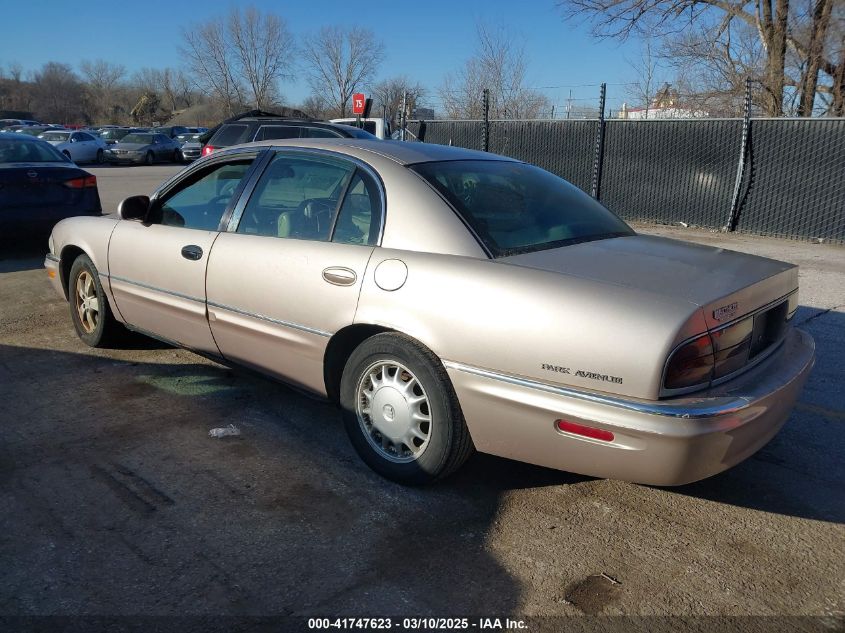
[[287, 273], [89, 146], [158, 267]]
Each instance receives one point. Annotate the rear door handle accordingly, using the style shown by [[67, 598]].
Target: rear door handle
[[192, 252], [339, 276]]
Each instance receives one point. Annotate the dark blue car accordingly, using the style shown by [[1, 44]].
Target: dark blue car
[[40, 186]]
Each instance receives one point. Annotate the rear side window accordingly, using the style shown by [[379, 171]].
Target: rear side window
[[318, 132], [358, 221], [297, 197], [266, 132], [229, 134]]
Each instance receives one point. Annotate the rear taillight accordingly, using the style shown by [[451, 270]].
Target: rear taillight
[[81, 183], [731, 346], [691, 364], [207, 149]]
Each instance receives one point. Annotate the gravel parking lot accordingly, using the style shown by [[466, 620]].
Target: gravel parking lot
[[116, 502]]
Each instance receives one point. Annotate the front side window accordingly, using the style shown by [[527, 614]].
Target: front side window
[[517, 208], [199, 203], [297, 197]]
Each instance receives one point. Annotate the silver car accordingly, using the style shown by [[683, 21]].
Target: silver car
[[450, 300], [78, 146]]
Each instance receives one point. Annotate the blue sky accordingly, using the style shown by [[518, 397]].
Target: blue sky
[[423, 40]]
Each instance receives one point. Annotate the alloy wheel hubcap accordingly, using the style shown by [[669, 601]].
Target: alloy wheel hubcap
[[87, 303], [393, 411]]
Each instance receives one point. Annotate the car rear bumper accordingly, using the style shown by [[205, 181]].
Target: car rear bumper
[[32, 221], [667, 442]]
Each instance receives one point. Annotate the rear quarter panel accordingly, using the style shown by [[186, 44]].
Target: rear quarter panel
[[531, 323]]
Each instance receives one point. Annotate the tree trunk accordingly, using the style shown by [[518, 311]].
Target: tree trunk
[[838, 106], [821, 18]]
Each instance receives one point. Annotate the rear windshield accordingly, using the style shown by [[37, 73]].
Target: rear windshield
[[21, 151], [517, 208], [229, 135]]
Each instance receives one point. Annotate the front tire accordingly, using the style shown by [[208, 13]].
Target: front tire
[[401, 412], [89, 308], [101, 157], [150, 158]]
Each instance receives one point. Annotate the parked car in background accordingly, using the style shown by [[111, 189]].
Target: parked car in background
[[191, 148], [143, 148], [558, 336], [377, 127], [40, 186], [78, 146], [31, 130], [170, 131], [4, 123], [249, 129]]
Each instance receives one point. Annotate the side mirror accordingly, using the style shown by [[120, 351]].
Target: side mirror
[[133, 208]]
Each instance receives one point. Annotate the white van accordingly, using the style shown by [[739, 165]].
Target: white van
[[377, 127]]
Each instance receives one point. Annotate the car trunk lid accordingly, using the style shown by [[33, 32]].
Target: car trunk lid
[[725, 284]]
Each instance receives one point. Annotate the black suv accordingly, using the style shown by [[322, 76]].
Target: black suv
[[261, 128]]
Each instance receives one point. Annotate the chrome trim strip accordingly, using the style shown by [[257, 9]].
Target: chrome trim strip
[[156, 288], [295, 326], [707, 408]]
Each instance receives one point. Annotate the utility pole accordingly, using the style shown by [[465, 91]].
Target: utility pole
[[402, 118]]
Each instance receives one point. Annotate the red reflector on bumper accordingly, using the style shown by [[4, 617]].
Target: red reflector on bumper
[[587, 431]]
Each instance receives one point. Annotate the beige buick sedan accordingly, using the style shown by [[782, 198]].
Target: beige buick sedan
[[450, 300]]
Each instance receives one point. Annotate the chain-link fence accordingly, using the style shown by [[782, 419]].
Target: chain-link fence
[[672, 171]]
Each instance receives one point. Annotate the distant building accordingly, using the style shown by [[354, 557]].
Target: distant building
[[665, 105]]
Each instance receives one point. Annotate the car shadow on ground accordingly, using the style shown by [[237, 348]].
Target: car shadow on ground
[[23, 252], [283, 519]]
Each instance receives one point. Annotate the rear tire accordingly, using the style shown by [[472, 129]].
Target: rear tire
[[89, 308], [149, 159], [401, 412]]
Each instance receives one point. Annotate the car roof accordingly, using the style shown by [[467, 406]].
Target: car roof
[[404, 153]]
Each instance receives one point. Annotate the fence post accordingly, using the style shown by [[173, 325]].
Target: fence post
[[733, 217], [598, 156], [485, 128], [403, 117]]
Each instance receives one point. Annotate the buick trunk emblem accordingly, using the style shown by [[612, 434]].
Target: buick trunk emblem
[[725, 312], [32, 174]]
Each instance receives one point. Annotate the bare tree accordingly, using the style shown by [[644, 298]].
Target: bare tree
[[264, 51], [388, 96], [499, 65], [776, 24], [340, 61], [212, 62], [644, 88], [102, 80], [59, 94]]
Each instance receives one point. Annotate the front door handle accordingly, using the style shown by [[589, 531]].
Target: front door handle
[[339, 276], [192, 252]]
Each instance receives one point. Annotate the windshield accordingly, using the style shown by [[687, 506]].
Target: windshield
[[144, 139], [21, 151], [55, 136], [517, 208]]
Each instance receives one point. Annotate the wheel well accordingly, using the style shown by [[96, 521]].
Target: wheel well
[[338, 351], [66, 259]]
